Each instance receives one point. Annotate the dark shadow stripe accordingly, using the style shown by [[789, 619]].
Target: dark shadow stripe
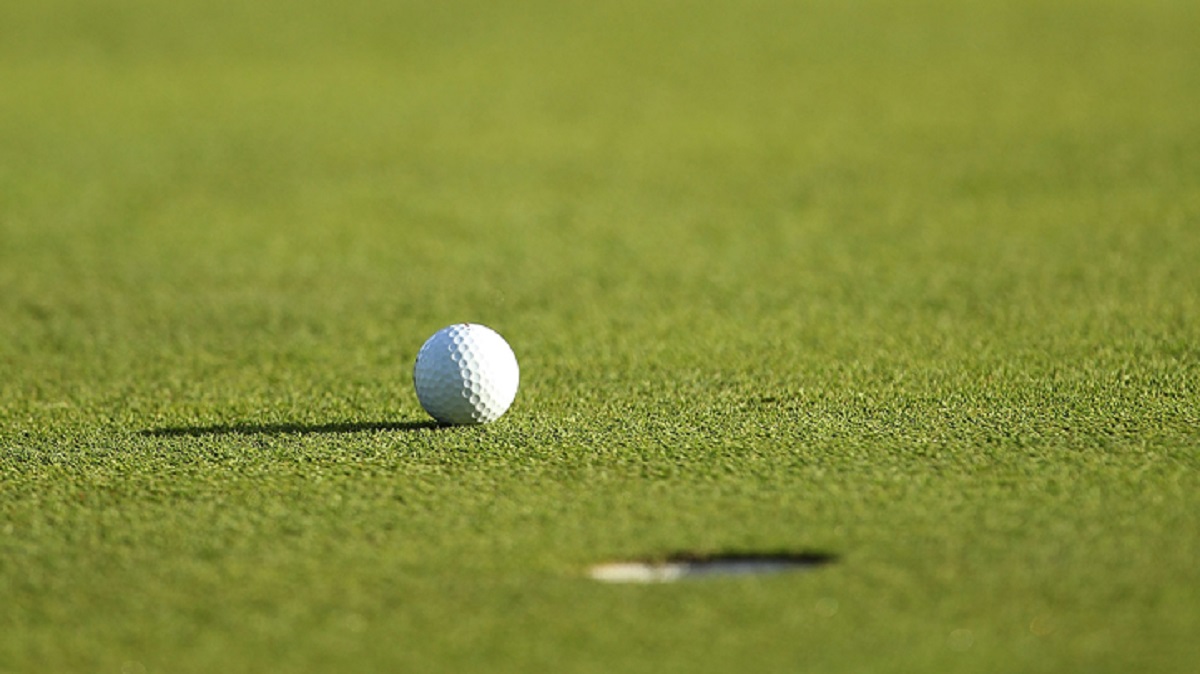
[[291, 429]]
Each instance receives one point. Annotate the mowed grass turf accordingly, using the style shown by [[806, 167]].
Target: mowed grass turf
[[916, 284]]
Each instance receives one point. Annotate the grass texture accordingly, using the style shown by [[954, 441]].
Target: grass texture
[[915, 284]]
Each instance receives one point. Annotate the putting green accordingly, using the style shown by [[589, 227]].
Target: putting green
[[914, 285]]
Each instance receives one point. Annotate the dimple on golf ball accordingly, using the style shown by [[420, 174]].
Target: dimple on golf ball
[[466, 374]]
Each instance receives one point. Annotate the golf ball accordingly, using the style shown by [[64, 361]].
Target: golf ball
[[466, 374]]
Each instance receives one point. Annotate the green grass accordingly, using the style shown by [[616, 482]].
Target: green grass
[[912, 283]]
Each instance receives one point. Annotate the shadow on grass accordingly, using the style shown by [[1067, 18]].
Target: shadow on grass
[[290, 429]]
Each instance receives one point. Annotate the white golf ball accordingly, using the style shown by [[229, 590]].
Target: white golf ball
[[466, 374]]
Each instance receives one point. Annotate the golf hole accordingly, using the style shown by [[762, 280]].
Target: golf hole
[[692, 566]]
